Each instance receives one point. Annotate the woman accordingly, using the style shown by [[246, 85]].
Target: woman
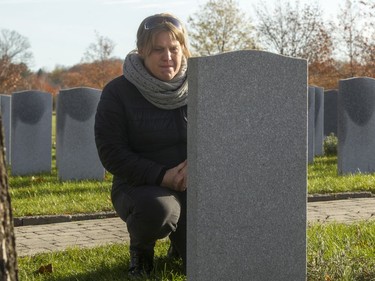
[[140, 133]]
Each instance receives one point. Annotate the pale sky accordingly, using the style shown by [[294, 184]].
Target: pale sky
[[60, 31]]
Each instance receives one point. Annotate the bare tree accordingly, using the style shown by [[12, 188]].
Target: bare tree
[[350, 37], [98, 65], [14, 47], [220, 26], [368, 48], [14, 57], [100, 50], [293, 31]]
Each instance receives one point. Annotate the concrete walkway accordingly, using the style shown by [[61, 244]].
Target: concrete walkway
[[34, 239]]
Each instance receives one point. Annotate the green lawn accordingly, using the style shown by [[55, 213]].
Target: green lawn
[[341, 252], [323, 178], [334, 252], [104, 263], [46, 195]]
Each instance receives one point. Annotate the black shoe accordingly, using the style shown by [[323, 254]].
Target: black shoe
[[141, 263], [172, 252]]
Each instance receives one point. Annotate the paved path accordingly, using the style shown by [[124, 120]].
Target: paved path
[[345, 211], [35, 239]]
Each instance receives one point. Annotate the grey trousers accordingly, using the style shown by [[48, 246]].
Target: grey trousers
[[152, 213]]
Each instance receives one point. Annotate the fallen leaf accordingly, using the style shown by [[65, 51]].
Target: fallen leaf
[[45, 269]]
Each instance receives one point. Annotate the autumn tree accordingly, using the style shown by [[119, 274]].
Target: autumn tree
[[97, 67], [368, 47], [14, 57], [220, 26], [350, 38], [294, 31], [297, 31], [41, 80], [95, 74]]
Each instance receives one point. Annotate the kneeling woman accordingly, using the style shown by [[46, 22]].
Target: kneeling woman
[[140, 133]]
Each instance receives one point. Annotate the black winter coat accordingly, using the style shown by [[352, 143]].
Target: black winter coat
[[136, 141]]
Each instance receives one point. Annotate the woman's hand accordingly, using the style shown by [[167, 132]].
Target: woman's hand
[[176, 178]]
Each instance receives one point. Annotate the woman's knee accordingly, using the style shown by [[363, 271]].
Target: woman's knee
[[158, 212], [154, 215]]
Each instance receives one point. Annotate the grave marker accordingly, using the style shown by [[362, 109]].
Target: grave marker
[[311, 124], [330, 112], [356, 126], [5, 108], [247, 155], [77, 157], [31, 133], [319, 121]]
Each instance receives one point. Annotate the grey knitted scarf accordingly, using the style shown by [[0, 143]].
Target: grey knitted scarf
[[166, 95]]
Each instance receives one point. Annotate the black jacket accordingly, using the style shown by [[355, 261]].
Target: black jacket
[[136, 141]]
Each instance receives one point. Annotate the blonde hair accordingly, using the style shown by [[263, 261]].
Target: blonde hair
[[146, 37]]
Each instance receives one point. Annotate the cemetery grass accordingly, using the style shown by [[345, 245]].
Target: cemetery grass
[[45, 194], [334, 252], [323, 178], [104, 263], [341, 251]]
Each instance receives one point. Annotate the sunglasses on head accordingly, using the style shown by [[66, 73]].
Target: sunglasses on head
[[155, 21]]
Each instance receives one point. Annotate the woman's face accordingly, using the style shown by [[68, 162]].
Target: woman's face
[[164, 61]]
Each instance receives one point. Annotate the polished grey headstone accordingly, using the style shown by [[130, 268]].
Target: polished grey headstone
[[31, 133], [5, 109], [311, 124], [247, 155], [356, 125], [76, 154], [330, 112], [319, 121]]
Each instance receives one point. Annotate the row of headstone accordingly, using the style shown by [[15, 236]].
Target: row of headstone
[[349, 115], [247, 154], [27, 122]]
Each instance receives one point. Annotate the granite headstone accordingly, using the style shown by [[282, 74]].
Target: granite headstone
[[311, 124], [247, 155], [76, 154], [31, 133], [330, 112], [5, 109], [356, 125], [319, 122]]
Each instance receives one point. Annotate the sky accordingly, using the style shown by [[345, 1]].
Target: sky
[[60, 31]]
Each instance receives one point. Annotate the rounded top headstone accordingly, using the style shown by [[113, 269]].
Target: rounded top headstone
[[79, 103], [29, 105]]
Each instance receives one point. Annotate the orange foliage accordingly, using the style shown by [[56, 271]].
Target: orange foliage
[[17, 77], [95, 75], [12, 76], [323, 75]]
